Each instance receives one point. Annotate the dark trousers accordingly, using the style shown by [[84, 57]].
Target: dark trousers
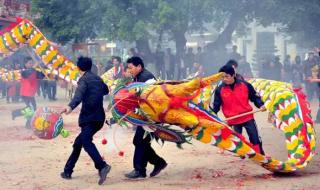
[[170, 75], [17, 95], [3, 88], [4, 91], [182, 73], [143, 152], [318, 113], [312, 89], [318, 116], [84, 139], [52, 89], [252, 132], [160, 70], [44, 88], [30, 102]]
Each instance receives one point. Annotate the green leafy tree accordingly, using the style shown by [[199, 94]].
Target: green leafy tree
[[130, 21], [74, 20], [140, 20]]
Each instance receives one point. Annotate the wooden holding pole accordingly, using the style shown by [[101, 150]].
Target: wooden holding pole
[[243, 114], [37, 63]]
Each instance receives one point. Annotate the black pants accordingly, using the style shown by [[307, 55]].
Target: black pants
[[318, 113], [52, 89], [84, 139], [252, 132], [170, 75], [4, 91], [311, 89], [44, 87], [17, 95], [160, 70], [30, 102], [3, 88], [143, 152], [182, 73]]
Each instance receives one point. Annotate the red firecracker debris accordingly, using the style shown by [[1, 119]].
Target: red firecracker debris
[[121, 153], [198, 176], [104, 141]]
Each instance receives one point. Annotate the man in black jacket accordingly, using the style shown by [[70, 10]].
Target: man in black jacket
[[90, 92], [143, 152]]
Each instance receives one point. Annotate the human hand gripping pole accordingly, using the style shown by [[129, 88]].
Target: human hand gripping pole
[[262, 109], [66, 110]]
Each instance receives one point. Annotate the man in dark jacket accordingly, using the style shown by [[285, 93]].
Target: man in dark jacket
[[143, 152], [311, 71], [90, 92], [233, 97]]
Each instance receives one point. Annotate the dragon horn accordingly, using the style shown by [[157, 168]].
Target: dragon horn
[[211, 79]]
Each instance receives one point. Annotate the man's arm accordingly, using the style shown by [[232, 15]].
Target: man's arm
[[105, 88], [254, 97], [79, 94], [217, 101], [313, 80], [147, 77], [40, 75]]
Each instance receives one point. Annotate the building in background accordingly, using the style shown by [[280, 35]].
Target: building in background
[[259, 43], [265, 42]]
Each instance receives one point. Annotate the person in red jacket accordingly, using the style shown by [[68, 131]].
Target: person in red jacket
[[119, 70], [233, 96], [28, 89]]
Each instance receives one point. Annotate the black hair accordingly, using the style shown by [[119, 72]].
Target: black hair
[[27, 59], [116, 58], [84, 63], [132, 50], [136, 61], [232, 62], [228, 69]]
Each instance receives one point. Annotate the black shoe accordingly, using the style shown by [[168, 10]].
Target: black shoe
[[103, 174], [15, 113], [65, 175], [157, 169], [135, 174]]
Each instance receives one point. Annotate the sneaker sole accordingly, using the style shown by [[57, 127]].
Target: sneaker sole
[[135, 179]]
